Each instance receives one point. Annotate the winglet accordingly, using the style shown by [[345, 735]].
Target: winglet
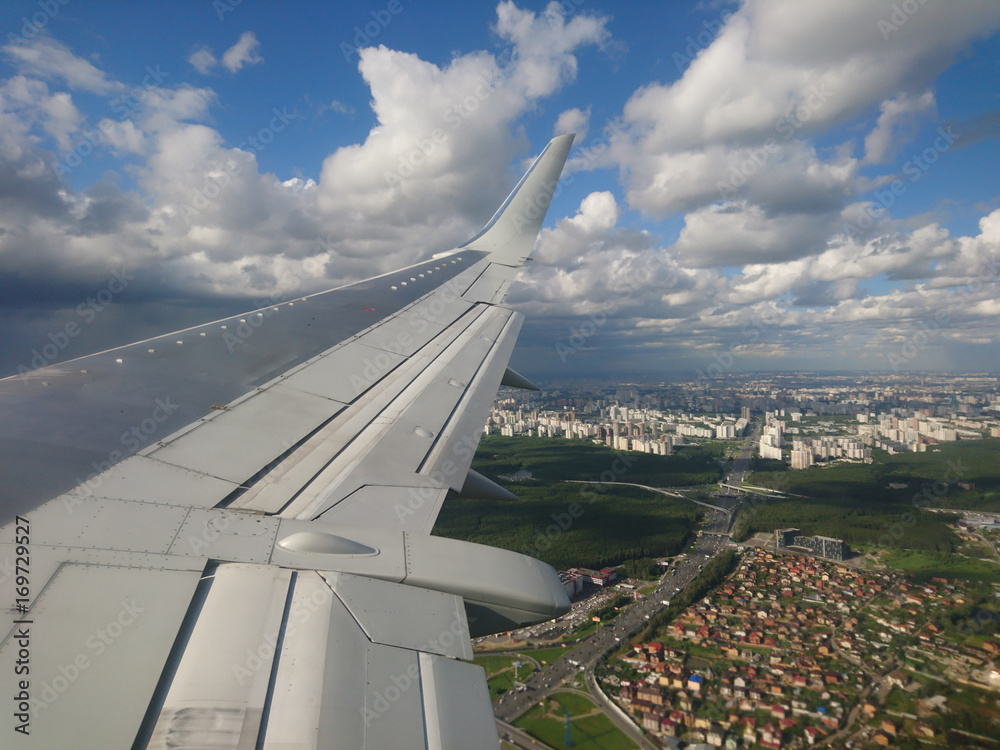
[[510, 235]]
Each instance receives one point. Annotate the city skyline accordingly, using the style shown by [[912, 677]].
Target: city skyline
[[754, 186]]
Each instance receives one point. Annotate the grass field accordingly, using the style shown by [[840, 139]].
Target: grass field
[[500, 671], [547, 655], [595, 731], [926, 565]]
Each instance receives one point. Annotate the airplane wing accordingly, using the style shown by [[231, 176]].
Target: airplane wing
[[220, 537]]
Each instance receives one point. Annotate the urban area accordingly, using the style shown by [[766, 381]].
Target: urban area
[[782, 635]]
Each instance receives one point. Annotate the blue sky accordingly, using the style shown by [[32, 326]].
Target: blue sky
[[755, 186]]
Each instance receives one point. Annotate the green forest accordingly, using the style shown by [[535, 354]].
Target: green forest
[[580, 525], [855, 502], [557, 459]]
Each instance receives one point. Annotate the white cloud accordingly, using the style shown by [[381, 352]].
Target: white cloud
[[48, 59], [209, 222], [778, 73], [543, 44], [573, 120], [203, 60], [26, 102], [895, 115], [437, 161], [123, 136], [244, 52], [735, 234], [443, 142]]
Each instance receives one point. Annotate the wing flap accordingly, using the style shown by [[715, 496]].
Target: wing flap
[[457, 705], [426, 437], [217, 695], [233, 446], [99, 636], [492, 285], [280, 659], [396, 615]]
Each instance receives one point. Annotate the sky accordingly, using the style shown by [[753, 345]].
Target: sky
[[754, 186]]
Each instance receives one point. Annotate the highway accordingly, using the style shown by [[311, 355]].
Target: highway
[[713, 539]]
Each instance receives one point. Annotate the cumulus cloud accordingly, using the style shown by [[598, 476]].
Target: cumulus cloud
[[573, 120], [26, 103], [208, 221], [736, 123], [543, 44], [767, 260], [443, 141]]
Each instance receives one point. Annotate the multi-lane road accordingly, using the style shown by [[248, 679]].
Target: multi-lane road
[[713, 538]]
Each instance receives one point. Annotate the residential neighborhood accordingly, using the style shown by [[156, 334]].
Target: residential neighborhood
[[793, 651]]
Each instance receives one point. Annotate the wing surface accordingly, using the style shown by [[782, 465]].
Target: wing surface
[[221, 537]]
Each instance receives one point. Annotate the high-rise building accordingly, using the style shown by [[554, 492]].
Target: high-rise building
[[785, 537], [802, 459]]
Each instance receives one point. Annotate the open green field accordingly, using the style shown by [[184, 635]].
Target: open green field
[[927, 565], [591, 730], [547, 655], [854, 501], [500, 671], [571, 524]]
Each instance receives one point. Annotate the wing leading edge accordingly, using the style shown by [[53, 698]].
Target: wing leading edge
[[263, 555]]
